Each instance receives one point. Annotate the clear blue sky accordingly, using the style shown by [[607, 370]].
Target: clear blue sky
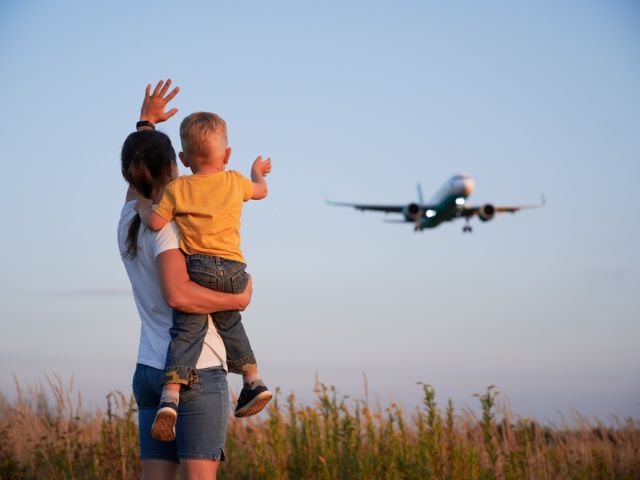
[[358, 101]]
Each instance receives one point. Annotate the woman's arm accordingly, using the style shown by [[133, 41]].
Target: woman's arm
[[182, 294]]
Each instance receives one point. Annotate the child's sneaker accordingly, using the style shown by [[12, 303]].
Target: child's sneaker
[[164, 425], [253, 398]]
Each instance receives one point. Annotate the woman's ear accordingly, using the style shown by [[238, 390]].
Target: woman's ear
[[172, 172]]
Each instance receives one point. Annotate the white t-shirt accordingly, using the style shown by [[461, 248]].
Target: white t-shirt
[[155, 314]]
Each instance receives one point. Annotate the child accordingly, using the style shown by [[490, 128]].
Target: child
[[207, 207]]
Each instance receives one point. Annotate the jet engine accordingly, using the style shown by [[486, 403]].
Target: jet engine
[[486, 212], [413, 212]]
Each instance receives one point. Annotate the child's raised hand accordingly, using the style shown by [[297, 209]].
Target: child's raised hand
[[261, 167], [154, 103]]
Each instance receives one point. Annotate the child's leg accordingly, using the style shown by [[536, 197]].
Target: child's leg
[[254, 395], [240, 358], [164, 424], [187, 337]]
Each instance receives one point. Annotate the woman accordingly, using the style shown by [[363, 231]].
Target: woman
[[159, 280]]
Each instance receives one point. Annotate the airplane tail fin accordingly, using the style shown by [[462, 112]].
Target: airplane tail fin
[[420, 198]]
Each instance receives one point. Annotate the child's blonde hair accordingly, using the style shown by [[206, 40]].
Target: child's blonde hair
[[199, 129]]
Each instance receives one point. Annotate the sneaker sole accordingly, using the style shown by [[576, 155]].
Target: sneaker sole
[[164, 425], [254, 406]]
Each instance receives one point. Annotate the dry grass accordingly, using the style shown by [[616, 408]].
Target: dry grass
[[332, 439], [53, 437]]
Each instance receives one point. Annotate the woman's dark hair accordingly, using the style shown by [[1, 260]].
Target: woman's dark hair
[[147, 157]]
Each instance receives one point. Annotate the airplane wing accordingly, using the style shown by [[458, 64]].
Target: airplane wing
[[471, 211], [389, 208], [363, 207], [381, 208]]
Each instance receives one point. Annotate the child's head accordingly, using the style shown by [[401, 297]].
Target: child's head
[[204, 140]]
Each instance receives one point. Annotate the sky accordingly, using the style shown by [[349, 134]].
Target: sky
[[354, 101]]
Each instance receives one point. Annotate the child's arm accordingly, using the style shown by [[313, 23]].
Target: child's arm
[[260, 169], [149, 218]]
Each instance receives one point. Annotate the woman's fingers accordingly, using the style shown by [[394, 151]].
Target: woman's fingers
[[154, 103], [172, 94], [165, 87], [170, 113], [158, 87]]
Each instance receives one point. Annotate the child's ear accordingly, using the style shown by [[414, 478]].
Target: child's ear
[[184, 159], [227, 155]]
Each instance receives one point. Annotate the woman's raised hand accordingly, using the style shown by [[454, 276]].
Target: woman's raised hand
[[154, 104]]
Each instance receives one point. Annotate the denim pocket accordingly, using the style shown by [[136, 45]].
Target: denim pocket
[[193, 388], [204, 279], [203, 272], [231, 267], [239, 281]]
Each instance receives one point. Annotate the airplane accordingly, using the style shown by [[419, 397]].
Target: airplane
[[449, 203]]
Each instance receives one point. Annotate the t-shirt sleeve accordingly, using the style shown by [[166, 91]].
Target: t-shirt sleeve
[[166, 239], [246, 185], [166, 207]]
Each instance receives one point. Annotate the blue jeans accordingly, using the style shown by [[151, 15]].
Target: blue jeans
[[202, 415], [188, 331]]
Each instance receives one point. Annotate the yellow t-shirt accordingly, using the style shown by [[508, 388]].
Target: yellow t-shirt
[[207, 209]]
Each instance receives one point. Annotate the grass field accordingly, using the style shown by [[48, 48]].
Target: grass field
[[47, 434]]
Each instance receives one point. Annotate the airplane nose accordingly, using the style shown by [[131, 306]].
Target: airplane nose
[[469, 186]]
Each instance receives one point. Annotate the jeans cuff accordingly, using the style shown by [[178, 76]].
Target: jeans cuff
[[235, 366], [182, 375]]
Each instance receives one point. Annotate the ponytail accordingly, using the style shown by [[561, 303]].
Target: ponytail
[[140, 175], [132, 238]]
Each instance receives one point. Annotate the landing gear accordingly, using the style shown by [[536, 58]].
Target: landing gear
[[467, 227]]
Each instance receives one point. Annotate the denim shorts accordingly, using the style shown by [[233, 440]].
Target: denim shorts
[[202, 415]]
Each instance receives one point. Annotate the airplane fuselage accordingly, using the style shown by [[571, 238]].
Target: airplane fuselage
[[448, 202]]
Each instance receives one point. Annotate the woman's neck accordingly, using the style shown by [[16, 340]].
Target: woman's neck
[[156, 194], [132, 194]]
